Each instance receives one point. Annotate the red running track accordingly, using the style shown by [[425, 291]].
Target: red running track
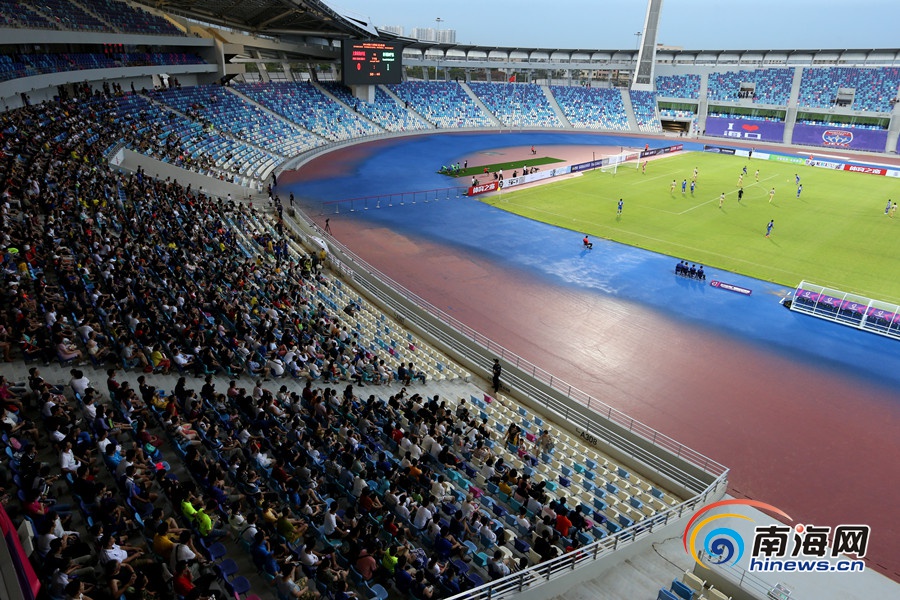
[[821, 446]]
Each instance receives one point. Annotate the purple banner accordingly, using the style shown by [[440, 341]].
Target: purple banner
[[587, 166], [746, 129], [658, 151], [842, 138], [730, 287]]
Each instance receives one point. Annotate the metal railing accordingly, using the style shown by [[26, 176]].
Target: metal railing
[[739, 576], [388, 200], [560, 566], [352, 266], [354, 269]]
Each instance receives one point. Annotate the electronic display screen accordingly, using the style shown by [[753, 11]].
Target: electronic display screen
[[371, 62]]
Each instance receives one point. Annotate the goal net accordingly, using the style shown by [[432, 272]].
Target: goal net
[[616, 161]]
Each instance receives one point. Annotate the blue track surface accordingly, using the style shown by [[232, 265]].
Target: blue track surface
[[555, 254]]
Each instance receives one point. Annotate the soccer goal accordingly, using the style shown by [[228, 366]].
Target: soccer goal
[[620, 160]]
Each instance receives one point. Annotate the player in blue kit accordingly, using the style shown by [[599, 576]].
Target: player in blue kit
[[683, 186]]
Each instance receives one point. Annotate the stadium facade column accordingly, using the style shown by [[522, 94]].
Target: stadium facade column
[[646, 60]]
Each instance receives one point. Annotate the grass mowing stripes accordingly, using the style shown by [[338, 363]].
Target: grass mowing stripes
[[836, 233]]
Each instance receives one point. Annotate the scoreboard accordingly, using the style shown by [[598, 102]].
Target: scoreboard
[[371, 62]]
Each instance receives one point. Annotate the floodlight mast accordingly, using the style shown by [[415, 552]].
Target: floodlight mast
[[646, 58]]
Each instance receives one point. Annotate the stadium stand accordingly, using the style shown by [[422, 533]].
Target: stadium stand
[[517, 104], [150, 129], [444, 103], [672, 113], [87, 15], [306, 106], [69, 15], [644, 104], [228, 112], [730, 115], [384, 110], [678, 86], [874, 88], [16, 14], [127, 19], [27, 65], [592, 108], [772, 86], [830, 123], [189, 284]]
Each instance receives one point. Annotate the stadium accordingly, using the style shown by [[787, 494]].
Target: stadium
[[388, 318]]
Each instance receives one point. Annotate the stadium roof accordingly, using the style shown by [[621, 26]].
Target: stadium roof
[[312, 17]]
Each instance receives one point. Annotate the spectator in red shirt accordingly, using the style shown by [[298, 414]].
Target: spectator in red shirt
[[563, 524], [366, 564], [186, 587]]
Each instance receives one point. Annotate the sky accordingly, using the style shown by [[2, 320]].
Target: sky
[[691, 24]]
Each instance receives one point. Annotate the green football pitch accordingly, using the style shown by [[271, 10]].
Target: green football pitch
[[835, 234]]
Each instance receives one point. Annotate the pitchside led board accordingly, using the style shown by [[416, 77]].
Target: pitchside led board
[[371, 63]]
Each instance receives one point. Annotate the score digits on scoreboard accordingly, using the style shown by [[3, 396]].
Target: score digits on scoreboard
[[371, 63]]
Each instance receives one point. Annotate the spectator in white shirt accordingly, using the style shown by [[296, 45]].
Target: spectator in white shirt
[[67, 461], [421, 517], [79, 382]]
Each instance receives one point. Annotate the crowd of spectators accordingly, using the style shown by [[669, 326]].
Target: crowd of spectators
[[127, 271], [216, 107]]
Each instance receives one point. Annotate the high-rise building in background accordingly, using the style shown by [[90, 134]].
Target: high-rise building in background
[[430, 34], [395, 29]]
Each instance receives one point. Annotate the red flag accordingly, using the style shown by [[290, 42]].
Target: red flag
[[512, 78]]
